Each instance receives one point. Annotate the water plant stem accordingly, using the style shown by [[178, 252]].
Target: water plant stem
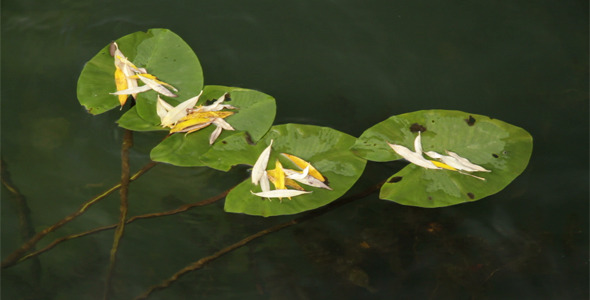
[[14, 257], [180, 209], [205, 260], [123, 192], [24, 215]]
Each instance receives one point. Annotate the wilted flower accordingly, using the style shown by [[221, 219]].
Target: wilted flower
[[127, 74], [185, 117], [452, 162], [282, 177]]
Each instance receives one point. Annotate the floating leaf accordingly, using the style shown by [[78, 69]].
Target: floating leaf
[[162, 52], [254, 114], [132, 121], [327, 149], [500, 147]]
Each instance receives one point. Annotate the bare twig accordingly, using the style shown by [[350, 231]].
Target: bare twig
[[24, 215], [180, 209], [203, 261], [12, 258]]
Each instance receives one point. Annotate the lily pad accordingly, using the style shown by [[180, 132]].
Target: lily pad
[[132, 121], [255, 114], [163, 53], [495, 145], [325, 148]]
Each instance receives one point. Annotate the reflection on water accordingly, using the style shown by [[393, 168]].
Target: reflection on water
[[343, 65]]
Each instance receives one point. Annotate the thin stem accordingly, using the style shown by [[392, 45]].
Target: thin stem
[[123, 192], [180, 209], [205, 260], [24, 215], [12, 258]]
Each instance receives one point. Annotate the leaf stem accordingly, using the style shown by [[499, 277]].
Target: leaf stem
[[205, 260], [123, 192], [180, 209], [14, 257], [24, 215]]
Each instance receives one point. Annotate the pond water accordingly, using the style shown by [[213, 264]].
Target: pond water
[[343, 64]]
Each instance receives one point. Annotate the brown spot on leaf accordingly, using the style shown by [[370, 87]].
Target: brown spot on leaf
[[395, 179], [417, 127], [495, 155], [470, 121], [224, 142], [471, 195], [249, 139]]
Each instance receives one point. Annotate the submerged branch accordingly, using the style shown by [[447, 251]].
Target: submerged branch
[[123, 192], [24, 215], [180, 209], [14, 257], [205, 260]]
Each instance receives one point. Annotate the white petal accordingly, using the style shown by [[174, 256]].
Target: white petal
[[215, 134], [260, 165], [222, 123], [312, 181], [292, 174], [280, 193], [179, 111], [162, 108], [418, 144], [264, 183], [412, 157], [156, 86], [433, 154], [467, 163], [133, 90]]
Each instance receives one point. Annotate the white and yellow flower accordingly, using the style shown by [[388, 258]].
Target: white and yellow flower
[[282, 177], [185, 117], [452, 162], [127, 75]]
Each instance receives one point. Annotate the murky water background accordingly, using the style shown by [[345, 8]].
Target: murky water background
[[343, 64]]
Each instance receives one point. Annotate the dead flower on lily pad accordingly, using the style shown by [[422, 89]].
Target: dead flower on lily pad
[[282, 177], [127, 75], [185, 117], [452, 162]]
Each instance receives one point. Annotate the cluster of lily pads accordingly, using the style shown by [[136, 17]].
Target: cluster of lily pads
[[156, 68]]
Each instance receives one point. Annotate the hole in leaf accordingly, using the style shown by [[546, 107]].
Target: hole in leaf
[[470, 195], [417, 127], [395, 179], [470, 121], [495, 155]]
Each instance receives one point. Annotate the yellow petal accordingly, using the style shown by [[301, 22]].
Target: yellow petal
[[277, 176], [192, 122], [121, 83], [443, 165], [302, 164], [292, 183]]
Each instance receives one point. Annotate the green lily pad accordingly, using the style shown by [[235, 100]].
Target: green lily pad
[[325, 148], [495, 145], [163, 53], [132, 121], [255, 114]]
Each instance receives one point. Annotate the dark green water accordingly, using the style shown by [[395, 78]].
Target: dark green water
[[343, 64]]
